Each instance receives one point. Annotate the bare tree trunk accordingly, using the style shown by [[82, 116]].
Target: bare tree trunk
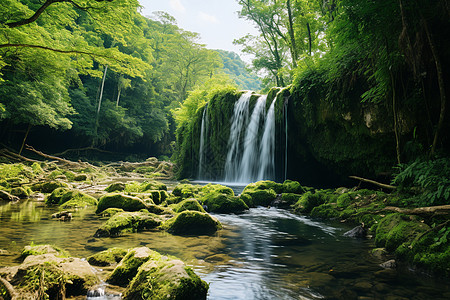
[[25, 138], [118, 97], [292, 35], [309, 38], [101, 90], [394, 111]]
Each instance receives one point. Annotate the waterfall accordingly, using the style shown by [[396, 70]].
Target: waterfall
[[203, 137], [249, 164], [267, 147], [238, 121], [285, 109]]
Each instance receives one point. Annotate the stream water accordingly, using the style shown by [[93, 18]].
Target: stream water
[[266, 253]]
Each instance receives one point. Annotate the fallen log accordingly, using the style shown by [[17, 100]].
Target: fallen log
[[82, 149], [385, 186], [14, 156], [59, 159], [429, 210]]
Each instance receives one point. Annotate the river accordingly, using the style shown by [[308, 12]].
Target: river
[[265, 253]]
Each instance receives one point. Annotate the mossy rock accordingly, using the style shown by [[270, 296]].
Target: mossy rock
[[308, 201], [127, 203], [116, 187], [48, 187], [56, 195], [128, 222], [185, 190], [264, 185], [153, 185], [158, 196], [396, 229], [21, 192], [80, 177], [188, 204], [255, 198], [221, 199], [162, 278], [109, 212], [344, 200], [107, 257], [293, 187], [128, 266], [43, 249], [192, 223], [289, 199], [325, 211], [76, 199]]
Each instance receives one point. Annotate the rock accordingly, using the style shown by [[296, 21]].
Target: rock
[[258, 197], [379, 253], [5, 196], [153, 185], [56, 195], [185, 191], [285, 200], [363, 286], [165, 278], [127, 203], [116, 187], [109, 212], [358, 232], [20, 192], [48, 187], [62, 216], [292, 187], [188, 204], [80, 177], [76, 199], [107, 257], [192, 223], [221, 199], [390, 264], [308, 201], [128, 266], [128, 222], [43, 249], [3, 252]]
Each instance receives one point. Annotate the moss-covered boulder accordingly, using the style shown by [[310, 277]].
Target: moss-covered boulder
[[286, 200], [76, 199], [153, 185], [21, 192], [80, 177], [128, 266], [192, 223], [127, 222], [109, 212], [116, 200], [396, 229], [43, 249], [255, 198], [162, 278], [221, 199], [116, 187], [308, 201], [188, 204], [48, 187], [186, 190], [265, 185], [294, 187], [107, 257], [56, 195], [158, 196]]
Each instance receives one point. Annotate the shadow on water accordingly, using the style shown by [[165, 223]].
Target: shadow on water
[[262, 254]]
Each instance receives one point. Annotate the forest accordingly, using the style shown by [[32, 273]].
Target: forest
[[137, 163]]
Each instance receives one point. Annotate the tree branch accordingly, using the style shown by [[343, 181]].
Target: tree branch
[[53, 49], [386, 186]]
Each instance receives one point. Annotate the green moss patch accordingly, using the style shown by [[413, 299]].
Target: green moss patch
[[188, 204], [115, 187], [127, 222], [43, 249], [116, 200], [107, 257], [76, 199], [293, 187], [221, 199], [48, 187], [192, 223]]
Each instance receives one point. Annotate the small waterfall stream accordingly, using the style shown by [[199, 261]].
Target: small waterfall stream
[[203, 137], [267, 146]]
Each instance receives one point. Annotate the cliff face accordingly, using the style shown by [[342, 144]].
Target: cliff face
[[330, 135]]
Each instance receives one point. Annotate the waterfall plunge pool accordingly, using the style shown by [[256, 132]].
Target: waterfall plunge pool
[[265, 253]]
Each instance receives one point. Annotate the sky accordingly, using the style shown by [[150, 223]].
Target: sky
[[216, 21]]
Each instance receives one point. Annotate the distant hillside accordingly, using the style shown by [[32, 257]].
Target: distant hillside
[[235, 67]]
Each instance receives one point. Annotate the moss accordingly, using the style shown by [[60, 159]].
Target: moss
[[107, 257], [153, 185], [43, 249], [116, 200], [189, 204], [290, 198], [115, 187], [37, 169], [74, 199], [344, 200], [396, 229], [128, 266], [221, 199], [164, 278], [48, 187], [109, 212], [125, 222], [192, 223], [294, 187], [21, 192], [326, 211], [55, 196], [80, 177], [266, 185], [308, 201], [259, 197], [186, 190]]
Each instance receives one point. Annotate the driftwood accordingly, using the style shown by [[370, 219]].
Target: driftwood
[[82, 149], [385, 186], [14, 156], [9, 289], [422, 211], [58, 159]]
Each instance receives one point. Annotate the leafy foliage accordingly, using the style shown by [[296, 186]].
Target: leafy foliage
[[429, 177]]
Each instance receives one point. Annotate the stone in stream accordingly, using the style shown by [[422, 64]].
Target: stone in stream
[[358, 232], [117, 200]]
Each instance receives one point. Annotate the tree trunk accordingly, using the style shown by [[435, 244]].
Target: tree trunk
[[309, 38], [101, 90], [118, 97], [25, 138], [394, 111], [292, 35]]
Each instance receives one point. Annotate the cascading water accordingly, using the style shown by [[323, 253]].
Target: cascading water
[[249, 167], [203, 137], [238, 121], [267, 147]]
